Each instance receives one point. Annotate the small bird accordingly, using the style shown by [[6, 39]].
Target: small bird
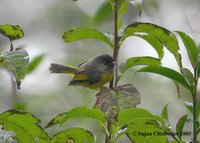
[[92, 74]]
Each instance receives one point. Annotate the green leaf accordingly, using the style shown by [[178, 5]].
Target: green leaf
[[135, 61], [130, 115], [122, 10], [161, 34], [73, 135], [17, 62], [190, 45], [143, 131], [12, 32], [180, 125], [189, 106], [128, 97], [155, 43], [56, 120], [112, 3], [103, 13], [167, 72], [80, 34], [34, 63], [188, 75], [25, 126], [79, 112], [164, 113], [137, 4]]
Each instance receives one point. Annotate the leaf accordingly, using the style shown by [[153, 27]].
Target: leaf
[[189, 106], [130, 115], [161, 34], [25, 126], [34, 63], [80, 34], [180, 125], [56, 120], [190, 45], [188, 75], [108, 103], [155, 43], [73, 135], [143, 131], [164, 113], [137, 4], [79, 112], [177, 89], [128, 97], [103, 13], [12, 32], [17, 62], [135, 61], [122, 10], [167, 72], [111, 102]]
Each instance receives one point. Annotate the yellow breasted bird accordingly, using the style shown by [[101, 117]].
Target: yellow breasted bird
[[91, 74]]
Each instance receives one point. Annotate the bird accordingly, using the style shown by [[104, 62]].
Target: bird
[[91, 74]]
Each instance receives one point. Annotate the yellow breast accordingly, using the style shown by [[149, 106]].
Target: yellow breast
[[105, 78]]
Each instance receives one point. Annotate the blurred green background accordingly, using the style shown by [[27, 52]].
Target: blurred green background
[[44, 22]]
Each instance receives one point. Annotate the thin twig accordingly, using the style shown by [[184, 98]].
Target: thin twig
[[195, 107], [113, 83]]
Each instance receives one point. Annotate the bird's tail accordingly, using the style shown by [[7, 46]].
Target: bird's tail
[[56, 68]]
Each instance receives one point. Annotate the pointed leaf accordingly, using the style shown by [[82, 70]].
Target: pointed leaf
[[188, 74], [164, 112], [191, 48], [161, 34], [80, 34], [189, 106], [79, 112], [103, 13], [17, 62], [137, 4], [55, 120], [180, 125], [135, 61], [155, 43], [167, 72], [34, 63], [12, 32], [73, 135], [25, 126], [130, 115], [122, 10]]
